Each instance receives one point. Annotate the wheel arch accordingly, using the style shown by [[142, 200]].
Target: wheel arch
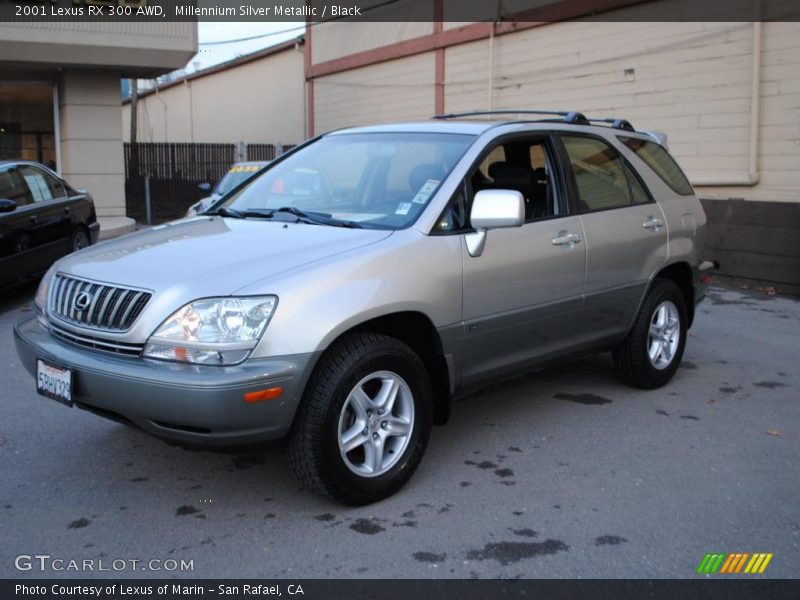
[[416, 330], [679, 273], [79, 227]]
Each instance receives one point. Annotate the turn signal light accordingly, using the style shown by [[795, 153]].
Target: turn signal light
[[261, 395]]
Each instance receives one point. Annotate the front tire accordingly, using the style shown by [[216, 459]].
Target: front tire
[[652, 351], [364, 423]]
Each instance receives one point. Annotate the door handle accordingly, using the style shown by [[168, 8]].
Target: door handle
[[66, 209], [34, 219], [653, 224], [565, 238]]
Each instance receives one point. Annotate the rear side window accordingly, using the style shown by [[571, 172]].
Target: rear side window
[[639, 193], [599, 174], [658, 159], [38, 183]]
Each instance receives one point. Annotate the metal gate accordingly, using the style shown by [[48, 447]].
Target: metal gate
[[174, 170]]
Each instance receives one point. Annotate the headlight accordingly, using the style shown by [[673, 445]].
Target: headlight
[[40, 300], [212, 331]]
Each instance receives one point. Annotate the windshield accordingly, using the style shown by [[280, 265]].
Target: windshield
[[238, 174], [381, 180]]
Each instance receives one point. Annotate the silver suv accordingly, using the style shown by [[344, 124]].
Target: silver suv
[[348, 292]]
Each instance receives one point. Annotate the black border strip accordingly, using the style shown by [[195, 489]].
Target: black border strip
[[523, 11]]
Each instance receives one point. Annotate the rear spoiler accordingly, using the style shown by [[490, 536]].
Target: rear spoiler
[[658, 137]]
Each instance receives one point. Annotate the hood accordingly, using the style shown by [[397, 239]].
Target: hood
[[212, 254]]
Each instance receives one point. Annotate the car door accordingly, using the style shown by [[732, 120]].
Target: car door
[[49, 215], [625, 229], [17, 260], [522, 296]]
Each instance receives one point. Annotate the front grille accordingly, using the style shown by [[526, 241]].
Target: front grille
[[95, 343], [105, 307]]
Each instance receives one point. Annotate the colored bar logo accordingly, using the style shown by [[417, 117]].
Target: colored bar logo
[[735, 562]]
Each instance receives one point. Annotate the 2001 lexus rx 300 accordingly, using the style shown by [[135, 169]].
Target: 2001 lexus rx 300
[[344, 295]]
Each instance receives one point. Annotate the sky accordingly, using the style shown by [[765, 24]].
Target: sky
[[210, 55]]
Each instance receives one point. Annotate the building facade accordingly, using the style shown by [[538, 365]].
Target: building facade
[[60, 95], [256, 98], [726, 93]]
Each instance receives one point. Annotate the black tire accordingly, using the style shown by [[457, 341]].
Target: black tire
[[314, 447], [631, 356], [79, 240]]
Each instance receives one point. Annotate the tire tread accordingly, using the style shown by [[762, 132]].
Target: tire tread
[[305, 446], [630, 357]]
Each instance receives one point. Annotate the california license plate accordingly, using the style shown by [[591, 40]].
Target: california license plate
[[54, 382]]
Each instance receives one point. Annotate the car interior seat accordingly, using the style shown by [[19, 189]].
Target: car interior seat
[[522, 179], [543, 189]]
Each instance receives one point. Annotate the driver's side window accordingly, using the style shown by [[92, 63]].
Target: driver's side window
[[527, 166]]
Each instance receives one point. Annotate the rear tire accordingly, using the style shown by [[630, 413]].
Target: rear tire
[[79, 240], [363, 425], [652, 351]]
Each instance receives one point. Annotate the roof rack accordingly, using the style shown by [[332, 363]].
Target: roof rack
[[571, 117], [615, 123]]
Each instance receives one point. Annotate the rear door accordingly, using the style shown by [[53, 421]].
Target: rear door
[[626, 232], [50, 214]]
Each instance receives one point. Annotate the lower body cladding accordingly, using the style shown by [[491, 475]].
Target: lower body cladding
[[191, 404]]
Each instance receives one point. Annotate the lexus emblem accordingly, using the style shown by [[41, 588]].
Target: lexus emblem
[[82, 301]]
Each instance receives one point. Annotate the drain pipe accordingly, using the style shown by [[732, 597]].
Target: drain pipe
[[164, 105], [752, 176], [491, 65]]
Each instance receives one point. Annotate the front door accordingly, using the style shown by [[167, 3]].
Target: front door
[[523, 295], [17, 256]]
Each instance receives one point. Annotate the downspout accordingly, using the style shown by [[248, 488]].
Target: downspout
[[57, 126], [752, 176], [164, 104], [301, 48], [491, 66], [191, 109]]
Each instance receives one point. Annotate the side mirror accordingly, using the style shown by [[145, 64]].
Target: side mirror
[[493, 209], [7, 206], [205, 187]]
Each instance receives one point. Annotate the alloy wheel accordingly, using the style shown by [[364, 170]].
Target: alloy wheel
[[664, 335], [376, 423]]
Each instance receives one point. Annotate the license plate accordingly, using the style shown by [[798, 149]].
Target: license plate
[[54, 382]]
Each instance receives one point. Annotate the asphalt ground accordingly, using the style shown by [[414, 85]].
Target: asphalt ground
[[562, 473]]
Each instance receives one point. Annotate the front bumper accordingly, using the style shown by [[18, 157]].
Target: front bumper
[[184, 403]]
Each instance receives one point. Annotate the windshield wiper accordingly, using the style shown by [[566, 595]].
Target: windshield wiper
[[240, 214], [319, 218], [227, 212], [293, 210]]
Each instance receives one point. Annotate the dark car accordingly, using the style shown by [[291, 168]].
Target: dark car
[[42, 218]]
